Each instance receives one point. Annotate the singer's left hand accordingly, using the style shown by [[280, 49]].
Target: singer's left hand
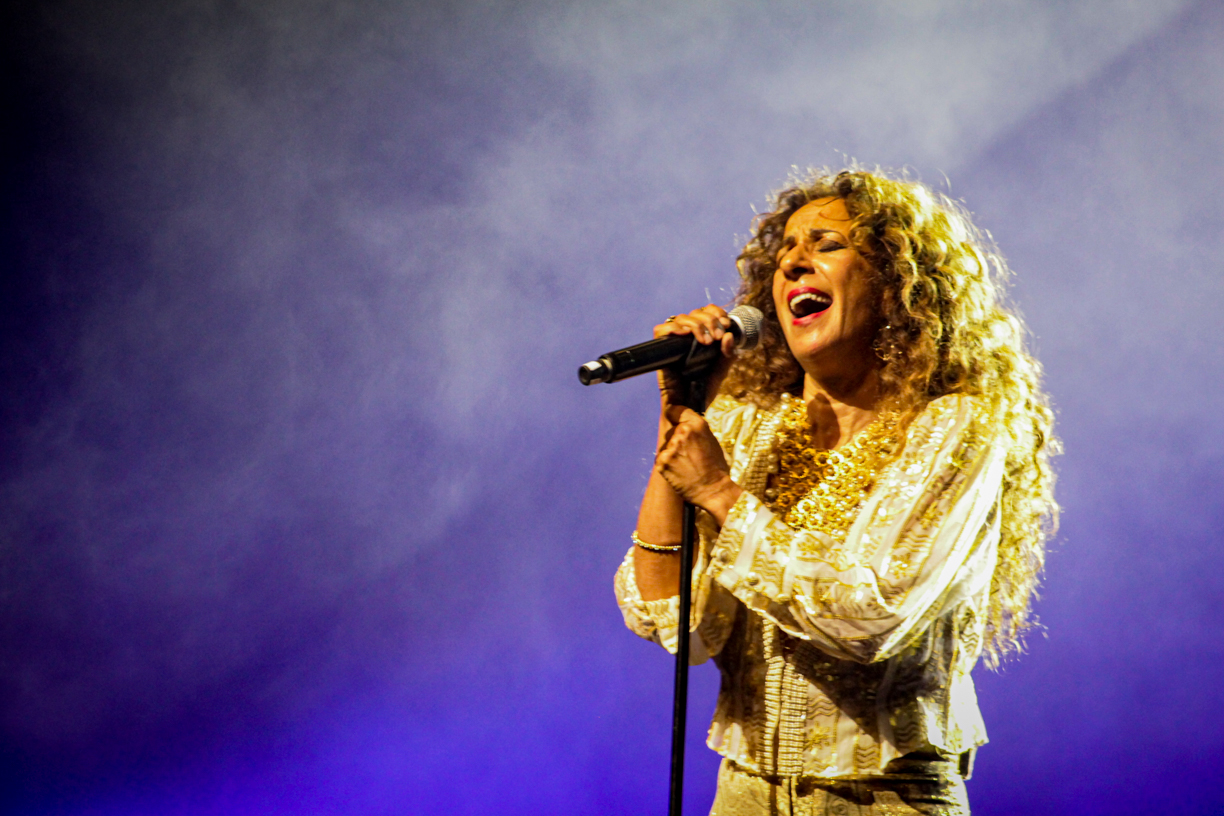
[[692, 462]]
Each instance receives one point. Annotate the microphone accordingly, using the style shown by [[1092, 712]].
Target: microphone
[[681, 351]]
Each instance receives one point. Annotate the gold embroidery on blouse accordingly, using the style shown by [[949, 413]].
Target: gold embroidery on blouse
[[821, 490], [866, 753]]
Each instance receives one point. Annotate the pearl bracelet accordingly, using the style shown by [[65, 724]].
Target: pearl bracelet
[[659, 548]]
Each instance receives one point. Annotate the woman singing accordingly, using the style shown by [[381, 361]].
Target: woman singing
[[876, 490]]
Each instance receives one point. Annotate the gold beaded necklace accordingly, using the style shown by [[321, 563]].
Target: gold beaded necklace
[[821, 490]]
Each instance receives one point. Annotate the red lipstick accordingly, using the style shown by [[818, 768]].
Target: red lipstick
[[807, 303]]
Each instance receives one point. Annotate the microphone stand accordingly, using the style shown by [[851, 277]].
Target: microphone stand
[[694, 398], [691, 362]]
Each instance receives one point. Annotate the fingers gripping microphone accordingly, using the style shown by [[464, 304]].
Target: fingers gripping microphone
[[681, 351]]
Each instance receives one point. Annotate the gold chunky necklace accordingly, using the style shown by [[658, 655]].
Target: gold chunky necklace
[[821, 490]]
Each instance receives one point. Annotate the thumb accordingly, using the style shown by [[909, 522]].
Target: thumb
[[677, 414]]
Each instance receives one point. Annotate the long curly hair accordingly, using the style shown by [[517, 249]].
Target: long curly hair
[[943, 329]]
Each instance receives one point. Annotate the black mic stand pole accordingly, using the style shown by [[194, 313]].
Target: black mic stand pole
[[691, 365], [694, 398]]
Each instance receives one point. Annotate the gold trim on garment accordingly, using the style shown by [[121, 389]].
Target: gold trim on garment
[[822, 490]]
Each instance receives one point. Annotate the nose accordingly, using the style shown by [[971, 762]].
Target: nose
[[792, 265]]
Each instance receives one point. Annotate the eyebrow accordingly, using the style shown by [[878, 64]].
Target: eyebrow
[[814, 234]]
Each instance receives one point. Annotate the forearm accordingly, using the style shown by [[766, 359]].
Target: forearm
[[661, 516], [660, 521]]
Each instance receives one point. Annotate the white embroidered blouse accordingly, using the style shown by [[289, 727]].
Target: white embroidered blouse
[[839, 654]]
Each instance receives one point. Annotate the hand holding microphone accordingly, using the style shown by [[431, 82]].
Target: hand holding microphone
[[683, 344], [687, 347]]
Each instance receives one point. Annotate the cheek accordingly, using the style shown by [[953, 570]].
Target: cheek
[[861, 292], [865, 310]]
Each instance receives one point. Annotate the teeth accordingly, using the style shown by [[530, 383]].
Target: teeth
[[807, 303]]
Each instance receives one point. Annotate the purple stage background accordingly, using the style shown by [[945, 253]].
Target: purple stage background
[[303, 509]]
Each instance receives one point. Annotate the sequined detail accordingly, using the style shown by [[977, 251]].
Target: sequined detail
[[786, 704], [822, 490]]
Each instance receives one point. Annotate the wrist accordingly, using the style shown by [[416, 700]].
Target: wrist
[[719, 501], [665, 428]]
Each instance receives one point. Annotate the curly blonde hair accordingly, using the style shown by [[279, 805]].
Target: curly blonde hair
[[943, 329]]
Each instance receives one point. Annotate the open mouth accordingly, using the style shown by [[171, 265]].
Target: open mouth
[[806, 302]]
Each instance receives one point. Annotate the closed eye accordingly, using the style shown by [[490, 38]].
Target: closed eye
[[826, 240]]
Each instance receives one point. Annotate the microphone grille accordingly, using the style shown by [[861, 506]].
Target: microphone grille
[[749, 319]]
